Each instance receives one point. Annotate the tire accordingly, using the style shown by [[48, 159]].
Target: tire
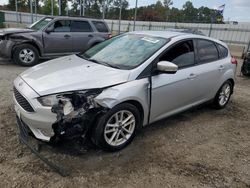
[[26, 55], [244, 71], [109, 133], [223, 95]]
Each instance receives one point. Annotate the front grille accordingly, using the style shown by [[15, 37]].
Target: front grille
[[22, 101]]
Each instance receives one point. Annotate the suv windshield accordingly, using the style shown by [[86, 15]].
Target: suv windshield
[[125, 51], [40, 23]]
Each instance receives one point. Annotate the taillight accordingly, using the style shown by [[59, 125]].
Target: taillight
[[234, 60], [110, 36]]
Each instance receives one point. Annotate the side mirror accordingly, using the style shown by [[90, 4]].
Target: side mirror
[[167, 67], [49, 30]]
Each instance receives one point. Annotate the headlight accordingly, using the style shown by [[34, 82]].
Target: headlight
[[67, 108], [49, 100]]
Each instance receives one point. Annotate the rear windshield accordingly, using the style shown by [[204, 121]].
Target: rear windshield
[[100, 26]]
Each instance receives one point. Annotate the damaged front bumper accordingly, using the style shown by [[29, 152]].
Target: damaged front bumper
[[6, 47], [25, 136]]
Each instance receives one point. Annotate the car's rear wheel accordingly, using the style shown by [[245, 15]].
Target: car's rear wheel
[[223, 95], [26, 55], [117, 128]]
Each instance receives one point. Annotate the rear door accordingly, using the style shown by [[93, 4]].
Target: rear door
[[59, 40], [82, 33], [211, 67]]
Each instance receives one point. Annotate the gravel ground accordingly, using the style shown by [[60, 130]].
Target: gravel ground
[[202, 147]]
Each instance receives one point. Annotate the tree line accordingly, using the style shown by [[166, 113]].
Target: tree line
[[159, 11]]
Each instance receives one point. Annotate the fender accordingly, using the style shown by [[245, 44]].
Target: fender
[[229, 74], [94, 41], [136, 90], [21, 39]]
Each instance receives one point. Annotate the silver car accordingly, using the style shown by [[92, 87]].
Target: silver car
[[118, 86]]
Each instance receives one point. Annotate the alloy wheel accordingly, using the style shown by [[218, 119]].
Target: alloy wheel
[[224, 94], [26, 56], [119, 128]]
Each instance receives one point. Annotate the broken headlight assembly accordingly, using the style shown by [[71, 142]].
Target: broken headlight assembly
[[75, 112]]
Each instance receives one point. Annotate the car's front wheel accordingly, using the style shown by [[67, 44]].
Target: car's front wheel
[[26, 55], [223, 95], [117, 128]]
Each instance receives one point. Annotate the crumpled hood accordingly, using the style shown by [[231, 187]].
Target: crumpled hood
[[14, 31], [71, 73]]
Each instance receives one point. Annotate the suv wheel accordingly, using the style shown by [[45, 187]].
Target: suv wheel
[[26, 55], [223, 95], [117, 128]]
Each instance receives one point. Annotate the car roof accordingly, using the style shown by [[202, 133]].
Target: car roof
[[175, 33], [75, 18], [162, 34]]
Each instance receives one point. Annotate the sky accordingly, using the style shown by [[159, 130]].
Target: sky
[[235, 10]]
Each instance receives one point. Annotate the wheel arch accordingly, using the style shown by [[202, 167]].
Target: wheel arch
[[26, 42], [233, 83], [139, 106]]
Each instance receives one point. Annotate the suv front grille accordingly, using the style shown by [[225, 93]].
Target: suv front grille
[[22, 101]]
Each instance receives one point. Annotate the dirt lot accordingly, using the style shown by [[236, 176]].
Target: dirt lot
[[199, 148]]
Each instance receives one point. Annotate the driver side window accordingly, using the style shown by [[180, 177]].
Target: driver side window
[[61, 26], [181, 54]]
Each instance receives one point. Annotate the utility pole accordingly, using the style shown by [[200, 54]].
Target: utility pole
[[52, 7], [103, 9], [120, 16], [60, 8], [16, 12], [31, 11], [36, 9], [83, 8], [80, 7], [136, 3]]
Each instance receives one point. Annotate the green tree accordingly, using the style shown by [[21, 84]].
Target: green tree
[[46, 9]]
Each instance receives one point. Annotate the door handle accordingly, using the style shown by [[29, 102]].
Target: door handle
[[66, 36], [221, 67], [192, 76], [90, 35]]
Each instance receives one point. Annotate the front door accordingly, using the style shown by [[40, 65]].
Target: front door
[[59, 40], [172, 93]]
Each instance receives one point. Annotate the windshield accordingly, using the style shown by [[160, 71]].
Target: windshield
[[125, 51], [40, 23]]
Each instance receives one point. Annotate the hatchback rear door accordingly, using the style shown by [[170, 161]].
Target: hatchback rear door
[[211, 67]]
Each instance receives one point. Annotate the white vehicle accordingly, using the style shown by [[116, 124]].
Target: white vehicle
[[123, 84]]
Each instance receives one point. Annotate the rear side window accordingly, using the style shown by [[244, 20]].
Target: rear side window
[[100, 26], [207, 51], [80, 26], [223, 51], [182, 54]]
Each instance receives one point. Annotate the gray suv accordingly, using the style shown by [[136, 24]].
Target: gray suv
[[51, 37]]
